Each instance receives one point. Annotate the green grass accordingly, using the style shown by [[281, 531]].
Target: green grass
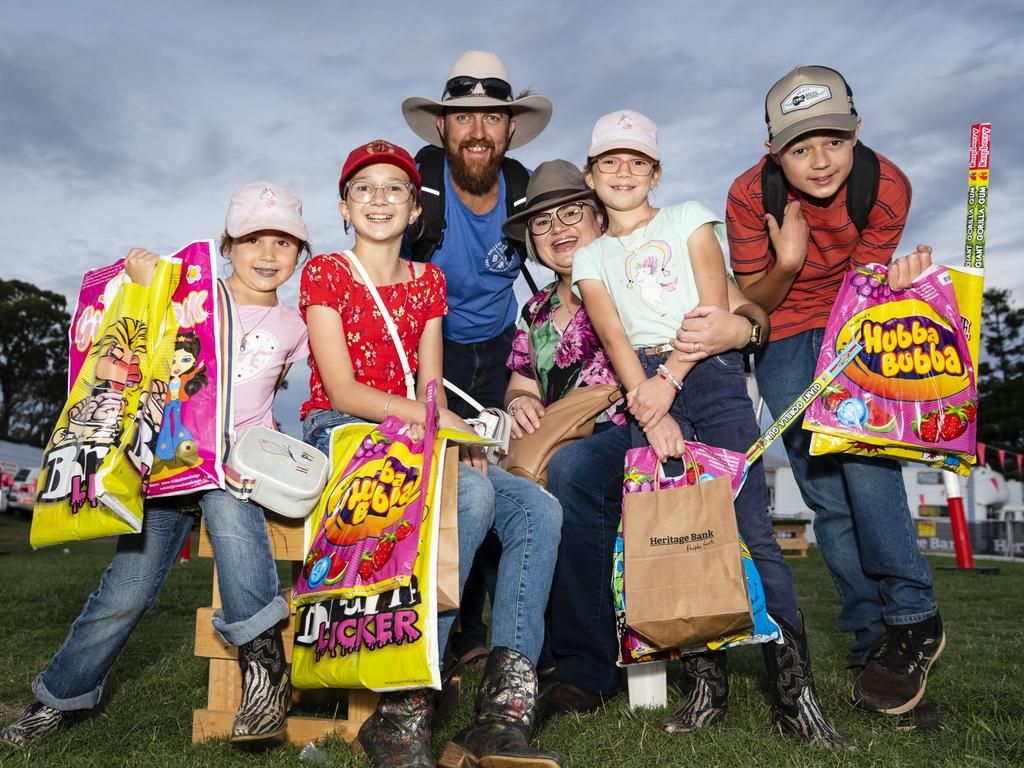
[[146, 715]]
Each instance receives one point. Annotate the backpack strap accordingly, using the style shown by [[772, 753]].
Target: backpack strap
[[516, 179], [861, 187], [430, 160]]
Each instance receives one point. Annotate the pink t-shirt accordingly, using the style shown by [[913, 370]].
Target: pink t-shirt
[[273, 337]]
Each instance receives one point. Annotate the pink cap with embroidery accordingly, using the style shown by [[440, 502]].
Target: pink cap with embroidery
[[265, 205], [625, 129]]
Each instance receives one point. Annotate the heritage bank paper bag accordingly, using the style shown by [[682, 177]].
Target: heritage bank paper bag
[[683, 573]]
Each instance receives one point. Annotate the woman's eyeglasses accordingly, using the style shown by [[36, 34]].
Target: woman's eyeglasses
[[568, 214]]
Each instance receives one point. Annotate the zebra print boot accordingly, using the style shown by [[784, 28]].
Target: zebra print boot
[[36, 722], [266, 691], [707, 694], [795, 702]]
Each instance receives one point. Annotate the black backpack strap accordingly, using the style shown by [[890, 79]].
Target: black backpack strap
[[430, 160], [516, 179], [862, 186], [774, 189]]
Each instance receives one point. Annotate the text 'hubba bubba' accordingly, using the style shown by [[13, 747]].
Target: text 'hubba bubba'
[[392, 487], [911, 346]]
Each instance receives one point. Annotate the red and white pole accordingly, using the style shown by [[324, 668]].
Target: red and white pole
[[958, 521]]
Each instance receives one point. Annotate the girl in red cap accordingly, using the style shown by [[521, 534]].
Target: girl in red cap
[[356, 375]]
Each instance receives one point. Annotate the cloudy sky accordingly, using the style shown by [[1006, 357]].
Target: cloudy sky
[[129, 124]]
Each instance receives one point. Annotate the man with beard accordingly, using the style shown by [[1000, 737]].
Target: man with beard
[[469, 189]]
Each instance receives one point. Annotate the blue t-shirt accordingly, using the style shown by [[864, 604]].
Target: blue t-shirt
[[480, 268]]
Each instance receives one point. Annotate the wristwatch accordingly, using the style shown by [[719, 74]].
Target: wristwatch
[[756, 337]]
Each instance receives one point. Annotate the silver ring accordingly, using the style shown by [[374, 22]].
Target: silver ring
[[513, 409]]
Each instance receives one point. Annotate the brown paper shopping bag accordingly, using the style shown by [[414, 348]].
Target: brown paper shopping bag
[[448, 537], [683, 573]]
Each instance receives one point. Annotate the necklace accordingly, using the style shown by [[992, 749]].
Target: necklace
[[643, 234], [245, 333]]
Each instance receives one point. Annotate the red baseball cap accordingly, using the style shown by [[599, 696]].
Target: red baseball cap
[[379, 151]]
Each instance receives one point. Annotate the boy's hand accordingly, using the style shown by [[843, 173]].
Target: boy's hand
[[905, 270], [650, 400], [528, 413], [666, 439], [140, 265], [790, 240], [708, 331]]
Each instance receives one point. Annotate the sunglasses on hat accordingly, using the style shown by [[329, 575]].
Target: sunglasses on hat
[[464, 85]]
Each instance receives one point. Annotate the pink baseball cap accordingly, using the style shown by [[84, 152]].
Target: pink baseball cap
[[625, 129], [265, 205]]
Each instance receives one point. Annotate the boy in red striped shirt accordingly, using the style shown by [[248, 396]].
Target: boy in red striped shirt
[[818, 204]]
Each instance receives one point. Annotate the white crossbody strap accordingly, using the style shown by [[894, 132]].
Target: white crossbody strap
[[410, 382]]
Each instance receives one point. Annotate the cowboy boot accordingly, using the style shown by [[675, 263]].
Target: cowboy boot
[[506, 706], [397, 734], [37, 722], [707, 694], [266, 690], [794, 701]]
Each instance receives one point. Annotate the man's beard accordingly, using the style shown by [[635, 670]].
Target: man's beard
[[473, 177]]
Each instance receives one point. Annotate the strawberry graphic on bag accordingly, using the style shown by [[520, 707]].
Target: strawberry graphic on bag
[[834, 395], [366, 566], [953, 423], [971, 411], [403, 530], [307, 566], [927, 427], [385, 548], [693, 472]]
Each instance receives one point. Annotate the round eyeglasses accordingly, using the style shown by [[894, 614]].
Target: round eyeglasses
[[395, 192], [637, 166], [568, 214]]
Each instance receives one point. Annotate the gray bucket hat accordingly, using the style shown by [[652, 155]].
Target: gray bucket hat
[[477, 81]]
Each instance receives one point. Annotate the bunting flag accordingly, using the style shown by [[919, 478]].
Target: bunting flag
[[1020, 463], [981, 454], [1002, 458]]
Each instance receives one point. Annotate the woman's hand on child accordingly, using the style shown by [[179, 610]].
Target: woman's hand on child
[[790, 240], [140, 265], [526, 412], [649, 400], [666, 439], [708, 331], [904, 270]]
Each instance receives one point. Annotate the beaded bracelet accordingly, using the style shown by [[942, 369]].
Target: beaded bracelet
[[666, 374]]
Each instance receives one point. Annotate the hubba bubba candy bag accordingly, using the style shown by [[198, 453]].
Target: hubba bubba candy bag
[[910, 393], [702, 463], [96, 465], [365, 529]]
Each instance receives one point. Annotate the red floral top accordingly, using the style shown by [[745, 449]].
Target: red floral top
[[327, 280]]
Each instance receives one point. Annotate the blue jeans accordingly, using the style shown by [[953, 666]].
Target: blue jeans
[[475, 512], [527, 520], [247, 577], [714, 408], [586, 478], [861, 518]]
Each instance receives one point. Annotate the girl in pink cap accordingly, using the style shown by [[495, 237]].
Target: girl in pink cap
[[638, 281], [263, 239]]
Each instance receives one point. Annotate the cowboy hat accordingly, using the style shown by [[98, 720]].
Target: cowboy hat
[[478, 81]]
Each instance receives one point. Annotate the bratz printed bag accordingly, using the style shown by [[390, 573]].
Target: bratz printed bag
[[187, 450], [97, 461], [910, 393]]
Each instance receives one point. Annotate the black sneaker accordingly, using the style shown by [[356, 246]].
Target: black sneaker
[[895, 677], [35, 722]]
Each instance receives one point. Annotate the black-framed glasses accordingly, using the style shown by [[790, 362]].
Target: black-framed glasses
[[395, 192], [464, 85], [637, 166], [568, 214]]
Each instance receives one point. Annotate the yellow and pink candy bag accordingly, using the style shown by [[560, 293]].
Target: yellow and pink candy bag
[[910, 393]]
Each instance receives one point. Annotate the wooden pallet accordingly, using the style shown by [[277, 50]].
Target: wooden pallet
[[792, 536], [224, 689]]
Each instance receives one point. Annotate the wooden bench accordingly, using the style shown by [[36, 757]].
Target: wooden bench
[[225, 681], [791, 533]]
